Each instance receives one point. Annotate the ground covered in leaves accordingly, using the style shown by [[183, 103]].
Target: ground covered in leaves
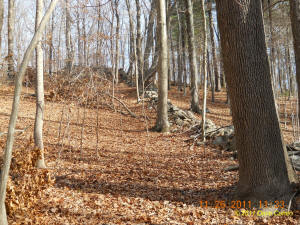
[[126, 174]]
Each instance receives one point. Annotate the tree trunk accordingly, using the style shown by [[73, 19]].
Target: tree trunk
[[51, 48], [211, 77], [69, 62], [10, 38], [213, 48], [38, 125], [192, 57], [265, 172], [179, 51], [170, 70], [295, 20], [204, 49], [132, 41], [162, 123], [139, 43], [79, 48], [271, 43], [117, 51], [1, 21], [14, 112], [150, 38]]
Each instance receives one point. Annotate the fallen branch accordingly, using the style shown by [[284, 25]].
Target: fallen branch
[[123, 104], [16, 131]]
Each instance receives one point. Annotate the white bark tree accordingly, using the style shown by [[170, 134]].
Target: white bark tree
[[15, 109], [38, 125], [162, 123], [10, 38]]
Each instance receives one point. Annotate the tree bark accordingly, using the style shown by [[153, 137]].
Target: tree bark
[[139, 43], [10, 38], [117, 50], [213, 48], [271, 43], [162, 123], [1, 21], [69, 62], [15, 109], [295, 20], [38, 125], [179, 51], [51, 48], [192, 57], [132, 42], [204, 49], [150, 36], [265, 172]]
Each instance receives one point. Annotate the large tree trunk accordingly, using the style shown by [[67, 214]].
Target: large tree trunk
[[265, 172], [10, 38], [162, 123], [295, 19], [192, 57], [14, 112], [38, 125]]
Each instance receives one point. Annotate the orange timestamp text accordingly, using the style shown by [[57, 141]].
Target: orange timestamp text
[[240, 204]]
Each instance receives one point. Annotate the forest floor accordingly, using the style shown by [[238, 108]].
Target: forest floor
[[136, 176]]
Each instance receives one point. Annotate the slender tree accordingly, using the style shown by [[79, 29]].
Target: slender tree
[[204, 49], [117, 50], [265, 172], [38, 125], [295, 20], [139, 42], [10, 38], [69, 62], [162, 123], [1, 21], [192, 57], [213, 47], [132, 41], [15, 109]]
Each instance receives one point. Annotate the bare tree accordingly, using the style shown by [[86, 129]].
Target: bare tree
[[69, 62], [139, 42], [15, 109], [38, 125], [162, 123], [295, 19], [192, 56], [117, 50], [204, 49], [10, 38], [1, 21], [213, 47]]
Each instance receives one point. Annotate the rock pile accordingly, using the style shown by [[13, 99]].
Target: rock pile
[[178, 118]]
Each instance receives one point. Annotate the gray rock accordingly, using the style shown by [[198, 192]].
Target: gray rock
[[220, 140]]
